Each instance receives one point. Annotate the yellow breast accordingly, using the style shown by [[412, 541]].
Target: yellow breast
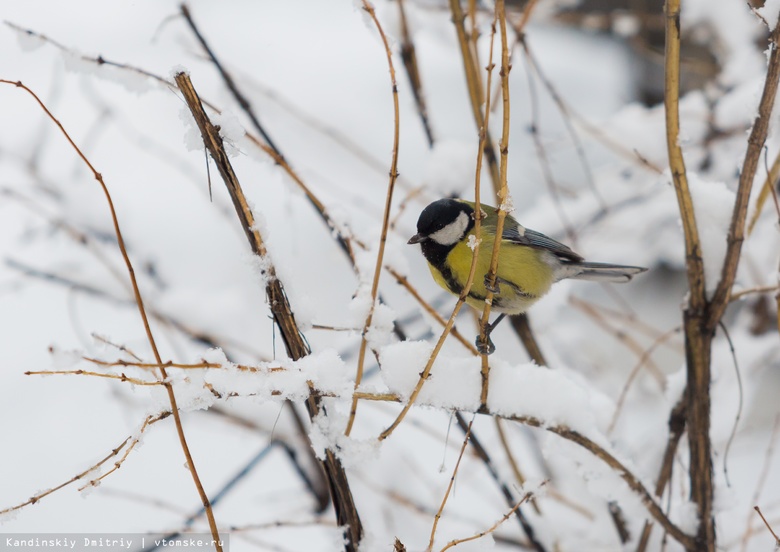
[[523, 275]]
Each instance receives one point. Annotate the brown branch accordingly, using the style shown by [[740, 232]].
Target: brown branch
[[676, 429], [503, 193], [439, 512], [385, 217], [142, 311], [493, 527], [756, 140], [341, 495], [475, 91], [38, 497], [766, 190]]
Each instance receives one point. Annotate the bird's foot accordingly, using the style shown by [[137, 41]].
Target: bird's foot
[[493, 288], [485, 347]]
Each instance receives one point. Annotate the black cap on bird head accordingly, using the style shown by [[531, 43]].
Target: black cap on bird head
[[444, 221]]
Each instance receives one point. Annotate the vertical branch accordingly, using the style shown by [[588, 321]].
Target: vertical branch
[[385, 218], [756, 140], [698, 338], [147, 328], [341, 495], [503, 206], [475, 90]]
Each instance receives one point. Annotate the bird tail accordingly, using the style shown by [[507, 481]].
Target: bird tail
[[599, 272]]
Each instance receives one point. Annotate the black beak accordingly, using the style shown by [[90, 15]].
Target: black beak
[[417, 238]]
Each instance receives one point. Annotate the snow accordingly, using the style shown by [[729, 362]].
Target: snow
[[318, 81], [770, 12], [713, 204]]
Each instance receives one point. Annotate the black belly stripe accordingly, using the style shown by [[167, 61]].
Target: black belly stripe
[[452, 283]]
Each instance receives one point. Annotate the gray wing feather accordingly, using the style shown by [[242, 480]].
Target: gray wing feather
[[531, 238]]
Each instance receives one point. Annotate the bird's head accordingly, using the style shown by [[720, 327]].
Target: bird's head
[[444, 222]]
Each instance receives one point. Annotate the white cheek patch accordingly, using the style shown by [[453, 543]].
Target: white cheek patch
[[453, 232]]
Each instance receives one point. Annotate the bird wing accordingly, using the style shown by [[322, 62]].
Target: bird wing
[[515, 233]]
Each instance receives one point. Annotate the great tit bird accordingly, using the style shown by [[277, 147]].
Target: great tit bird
[[529, 262]]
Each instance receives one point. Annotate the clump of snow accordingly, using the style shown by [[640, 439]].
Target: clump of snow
[[8, 516], [327, 433], [625, 25], [230, 130], [454, 382], [177, 70], [262, 266], [556, 397], [131, 80], [770, 12], [688, 517], [193, 139], [450, 167], [381, 330], [508, 205], [28, 41], [473, 241], [713, 204]]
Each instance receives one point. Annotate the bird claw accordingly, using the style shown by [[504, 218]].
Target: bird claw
[[485, 347], [495, 289]]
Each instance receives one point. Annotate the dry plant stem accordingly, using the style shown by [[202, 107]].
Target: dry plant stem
[[341, 495], [472, 270], [756, 141], [519, 477], [701, 316], [475, 91], [120, 377], [490, 277], [769, 527], [409, 57], [493, 527], [438, 515], [115, 452], [618, 468], [404, 281], [385, 217], [676, 429], [510, 499], [766, 191], [761, 480], [697, 338], [142, 311], [633, 374]]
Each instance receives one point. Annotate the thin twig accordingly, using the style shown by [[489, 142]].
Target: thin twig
[[493, 527], [142, 311], [385, 217], [769, 527], [756, 140], [38, 497], [438, 515], [761, 480], [471, 68], [503, 194]]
